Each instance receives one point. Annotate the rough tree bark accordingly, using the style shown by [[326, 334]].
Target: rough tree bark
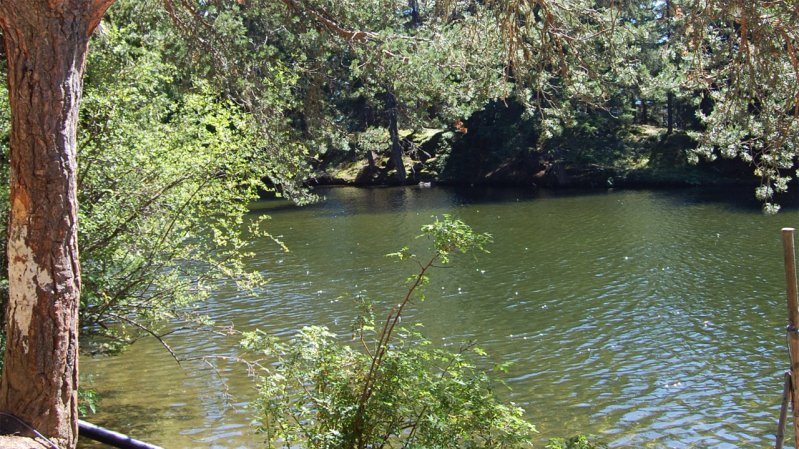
[[46, 43]]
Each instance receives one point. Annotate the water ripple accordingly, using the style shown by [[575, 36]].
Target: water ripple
[[651, 320]]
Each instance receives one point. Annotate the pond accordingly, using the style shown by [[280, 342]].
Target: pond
[[649, 318]]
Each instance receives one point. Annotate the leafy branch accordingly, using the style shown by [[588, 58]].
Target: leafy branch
[[400, 392], [448, 236]]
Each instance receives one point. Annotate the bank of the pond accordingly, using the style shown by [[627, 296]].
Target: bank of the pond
[[502, 154]]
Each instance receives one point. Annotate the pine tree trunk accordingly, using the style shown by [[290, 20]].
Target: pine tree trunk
[[644, 113], [669, 112], [669, 94], [413, 5], [396, 145], [46, 44]]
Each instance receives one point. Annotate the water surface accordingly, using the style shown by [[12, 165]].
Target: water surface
[[652, 319]]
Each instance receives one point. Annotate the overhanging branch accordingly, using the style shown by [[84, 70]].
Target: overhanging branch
[[323, 21]]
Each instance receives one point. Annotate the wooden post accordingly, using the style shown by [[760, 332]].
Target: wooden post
[[786, 398], [793, 319]]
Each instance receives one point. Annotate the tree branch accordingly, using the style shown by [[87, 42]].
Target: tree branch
[[324, 21]]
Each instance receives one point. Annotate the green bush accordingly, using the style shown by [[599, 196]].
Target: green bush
[[389, 387]]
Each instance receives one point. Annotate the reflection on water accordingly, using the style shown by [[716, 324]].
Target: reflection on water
[[654, 319]]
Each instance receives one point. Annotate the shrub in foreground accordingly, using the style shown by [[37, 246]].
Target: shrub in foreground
[[389, 387]]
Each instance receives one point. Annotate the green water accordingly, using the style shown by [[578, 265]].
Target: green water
[[653, 319]]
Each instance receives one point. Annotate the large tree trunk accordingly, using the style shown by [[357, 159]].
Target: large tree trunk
[[46, 43]]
